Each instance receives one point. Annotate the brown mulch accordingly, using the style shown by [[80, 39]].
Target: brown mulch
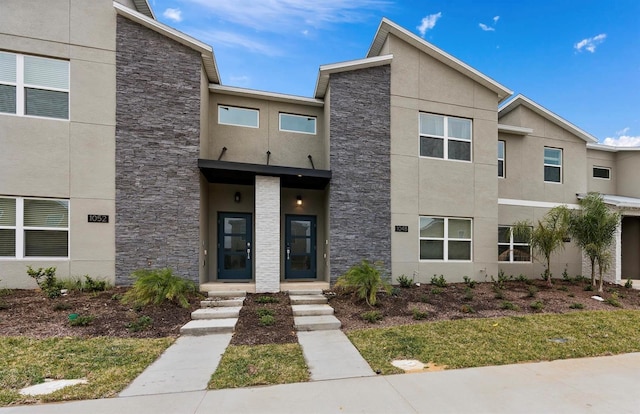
[[29, 313]]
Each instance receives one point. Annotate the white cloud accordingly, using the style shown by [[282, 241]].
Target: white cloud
[[228, 39], [486, 28], [495, 19], [428, 23], [173, 14], [285, 16], [623, 140], [590, 43]]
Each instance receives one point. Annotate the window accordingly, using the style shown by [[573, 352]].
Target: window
[[32, 227], [552, 165], [602, 172], [445, 137], [511, 248], [501, 159], [298, 123], [34, 86], [443, 238], [230, 115]]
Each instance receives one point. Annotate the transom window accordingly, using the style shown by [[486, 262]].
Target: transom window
[[511, 248], [298, 123], [32, 227], [602, 172], [445, 137], [501, 145], [34, 86], [231, 115], [552, 165], [443, 238]]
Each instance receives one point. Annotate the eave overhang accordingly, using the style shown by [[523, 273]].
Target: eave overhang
[[326, 70]]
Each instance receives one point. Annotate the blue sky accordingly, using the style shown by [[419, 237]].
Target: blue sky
[[579, 59]]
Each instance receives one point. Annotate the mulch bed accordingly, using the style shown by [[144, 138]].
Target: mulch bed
[[249, 331]]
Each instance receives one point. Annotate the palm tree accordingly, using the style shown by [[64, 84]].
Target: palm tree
[[546, 236], [594, 228]]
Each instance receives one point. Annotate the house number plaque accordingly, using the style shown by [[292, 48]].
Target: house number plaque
[[98, 218], [402, 229]]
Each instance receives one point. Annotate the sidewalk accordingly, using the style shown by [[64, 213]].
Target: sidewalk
[[605, 384]]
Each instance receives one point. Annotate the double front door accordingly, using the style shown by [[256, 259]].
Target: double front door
[[235, 247]]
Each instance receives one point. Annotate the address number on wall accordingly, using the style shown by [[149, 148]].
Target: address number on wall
[[402, 229], [98, 218]]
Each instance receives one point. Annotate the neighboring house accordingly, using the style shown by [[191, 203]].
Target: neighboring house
[[121, 149]]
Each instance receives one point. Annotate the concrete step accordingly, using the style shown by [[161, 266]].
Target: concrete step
[[220, 312], [211, 303], [209, 326], [297, 292], [307, 299], [227, 294], [316, 323], [311, 310]]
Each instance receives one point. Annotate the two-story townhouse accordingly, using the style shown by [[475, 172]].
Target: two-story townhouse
[[142, 158]]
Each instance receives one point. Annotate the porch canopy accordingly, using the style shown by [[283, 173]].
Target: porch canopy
[[226, 172], [617, 201]]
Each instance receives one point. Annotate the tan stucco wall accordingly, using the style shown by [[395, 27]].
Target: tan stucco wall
[[434, 187], [607, 159], [628, 165], [250, 145], [71, 159]]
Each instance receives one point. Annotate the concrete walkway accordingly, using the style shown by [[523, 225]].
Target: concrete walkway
[[598, 385], [187, 365]]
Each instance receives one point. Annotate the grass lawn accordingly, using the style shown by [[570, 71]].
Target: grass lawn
[[479, 342], [245, 366], [109, 364]]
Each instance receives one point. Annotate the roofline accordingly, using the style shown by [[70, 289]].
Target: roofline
[[611, 148], [208, 59], [143, 7], [387, 26], [545, 113], [326, 70], [272, 96], [616, 200], [515, 130]]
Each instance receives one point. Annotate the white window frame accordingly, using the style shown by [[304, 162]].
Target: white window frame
[[504, 155], [511, 246], [593, 172], [445, 138], [553, 165], [230, 107], [21, 86], [308, 117], [20, 229], [446, 239]]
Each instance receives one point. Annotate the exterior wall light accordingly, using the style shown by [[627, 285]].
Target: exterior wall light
[[298, 200], [237, 197]]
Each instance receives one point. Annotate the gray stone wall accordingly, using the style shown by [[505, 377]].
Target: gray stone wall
[[157, 148], [360, 198]]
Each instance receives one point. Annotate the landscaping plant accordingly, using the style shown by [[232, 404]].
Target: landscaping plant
[[364, 280], [157, 286], [46, 280]]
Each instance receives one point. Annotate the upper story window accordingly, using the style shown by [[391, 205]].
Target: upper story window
[[501, 147], [512, 248], [34, 86], [31, 227], [445, 137], [298, 123], [602, 172], [231, 115], [552, 165], [446, 239]]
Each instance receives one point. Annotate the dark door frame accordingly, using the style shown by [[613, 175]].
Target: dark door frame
[[243, 273], [311, 273]]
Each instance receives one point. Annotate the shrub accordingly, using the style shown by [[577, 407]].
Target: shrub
[[498, 293], [576, 306], [588, 288], [467, 309], [92, 285], [267, 299], [563, 288], [468, 294], [532, 292], [424, 298], [537, 306], [364, 280], [264, 312], [157, 286], [613, 300], [140, 324], [420, 315], [436, 291], [405, 282], [439, 281], [80, 320], [522, 278], [46, 280], [469, 282], [371, 316], [628, 284], [267, 320], [506, 305]]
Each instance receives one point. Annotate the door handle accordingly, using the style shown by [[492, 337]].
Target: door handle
[[248, 251], [288, 253]]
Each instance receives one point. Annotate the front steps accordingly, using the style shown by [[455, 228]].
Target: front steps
[[311, 311], [218, 314]]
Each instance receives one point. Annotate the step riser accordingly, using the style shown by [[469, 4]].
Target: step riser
[[216, 313], [308, 301], [227, 294], [221, 303], [305, 292], [318, 327], [205, 331], [311, 310], [206, 327], [316, 323]]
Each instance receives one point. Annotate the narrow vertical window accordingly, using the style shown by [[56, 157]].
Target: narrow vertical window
[[501, 149], [7, 227], [552, 165]]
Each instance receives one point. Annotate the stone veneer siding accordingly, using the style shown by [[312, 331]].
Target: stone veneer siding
[[360, 194], [157, 148]]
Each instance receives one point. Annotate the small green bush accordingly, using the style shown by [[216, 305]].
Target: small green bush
[[267, 299], [506, 305], [537, 305], [436, 291], [613, 300], [424, 298], [576, 306], [371, 316], [588, 288], [157, 286], [497, 292], [628, 284], [522, 278], [364, 280], [468, 294], [405, 282], [420, 315], [469, 282], [81, 320], [264, 312], [532, 292], [140, 324], [563, 288], [467, 309], [439, 281], [267, 320], [46, 280]]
